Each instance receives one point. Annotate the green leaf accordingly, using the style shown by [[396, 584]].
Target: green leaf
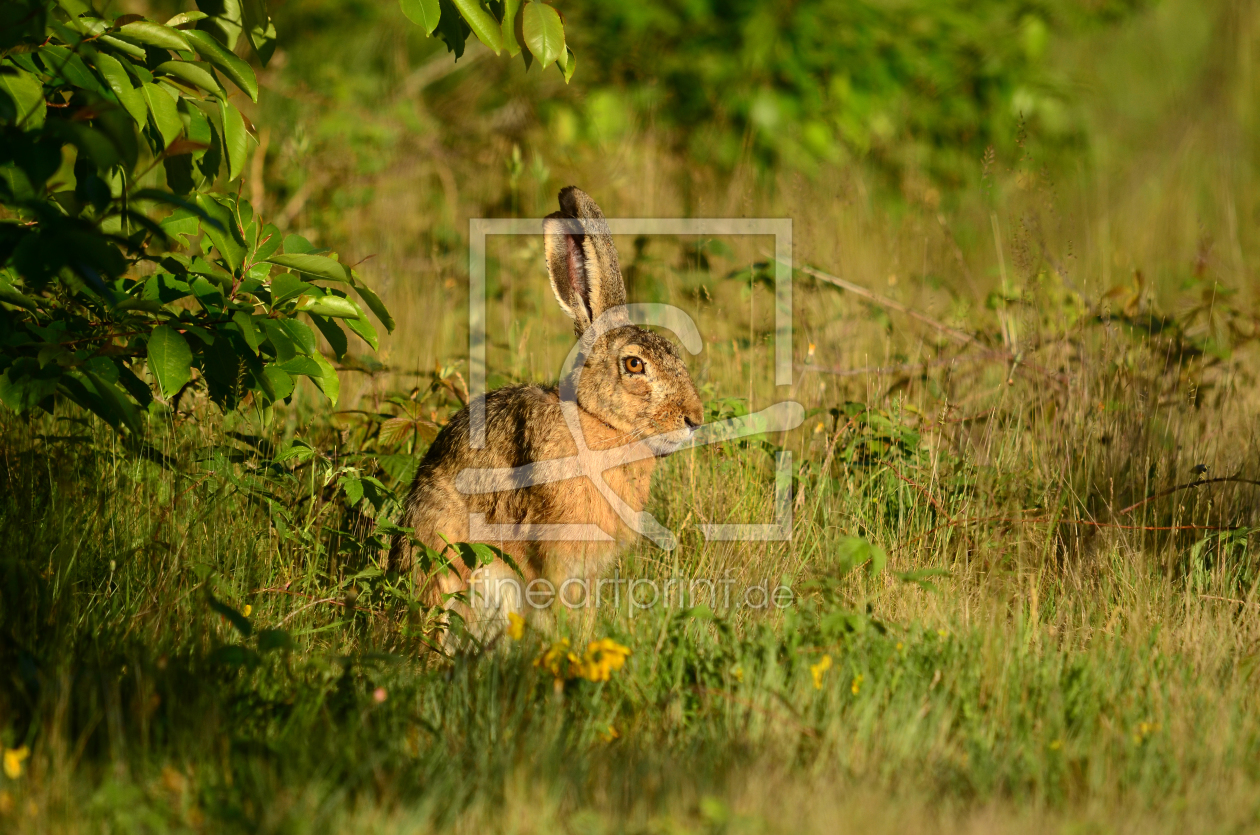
[[301, 336], [283, 344], [27, 94], [281, 381], [238, 621], [184, 18], [25, 383], [75, 7], [477, 554], [363, 327], [853, 551], [120, 82], [570, 65], [224, 61], [353, 488], [374, 304], [181, 225], [248, 328], [327, 381], [122, 46], [287, 286], [164, 112], [68, 67], [511, 10], [304, 366], [187, 207], [452, 29], [331, 330], [334, 306], [138, 389], [10, 295], [235, 139], [297, 245], [268, 243], [423, 13], [148, 33], [484, 26], [224, 21], [118, 410], [170, 359], [319, 266], [259, 29], [193, 72], [226, 238], [544, 33], [208, 294]]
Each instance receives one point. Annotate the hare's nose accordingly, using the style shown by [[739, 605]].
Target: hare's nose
[[691, 422]]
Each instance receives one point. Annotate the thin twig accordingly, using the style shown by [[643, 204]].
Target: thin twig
[[878, 298], [310, 605], [1186, 486], [331, 600], [903, 367], [955, 334]]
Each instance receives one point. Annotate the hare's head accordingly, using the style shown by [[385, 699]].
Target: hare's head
[[632, 379]]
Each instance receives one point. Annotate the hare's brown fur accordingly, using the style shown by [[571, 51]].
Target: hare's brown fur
[[652, 412]]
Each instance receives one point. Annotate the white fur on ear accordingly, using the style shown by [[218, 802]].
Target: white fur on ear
[[567, 269], [582, 260]]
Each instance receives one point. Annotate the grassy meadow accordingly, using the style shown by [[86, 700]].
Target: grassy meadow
[[1024, 551]]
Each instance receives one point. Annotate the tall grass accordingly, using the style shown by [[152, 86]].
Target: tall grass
[[1084, 653]]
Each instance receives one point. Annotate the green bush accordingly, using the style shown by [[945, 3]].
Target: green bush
[[122, 245], [924, 85]]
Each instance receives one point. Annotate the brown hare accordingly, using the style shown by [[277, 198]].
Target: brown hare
[[630, 399]]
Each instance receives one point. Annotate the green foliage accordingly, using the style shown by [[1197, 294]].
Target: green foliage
[[531, 29], [923, 85], [122, 244]]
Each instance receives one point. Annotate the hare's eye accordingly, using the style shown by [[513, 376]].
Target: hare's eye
[[633, 364]]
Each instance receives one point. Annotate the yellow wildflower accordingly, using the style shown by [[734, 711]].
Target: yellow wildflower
[[516, 626], [817, 670], [857, 683], [738, 674], [13, 759], [602, 658], [1056, 745], [560, 661], [610, 734], [247, 610]]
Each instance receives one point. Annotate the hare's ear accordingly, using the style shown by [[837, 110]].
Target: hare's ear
[[582, 260]]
